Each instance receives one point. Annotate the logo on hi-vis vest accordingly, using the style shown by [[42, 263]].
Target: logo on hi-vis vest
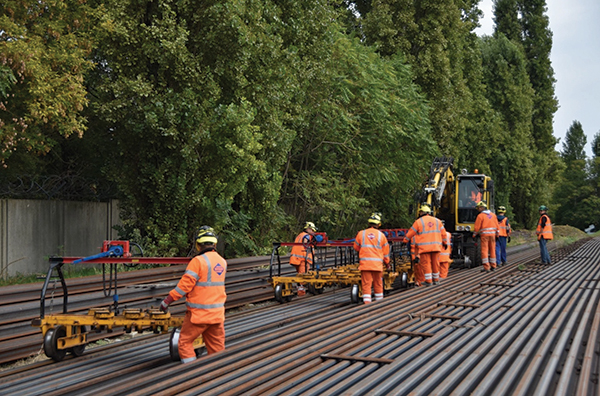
[[219, 269], [430, 224], [371, 236]]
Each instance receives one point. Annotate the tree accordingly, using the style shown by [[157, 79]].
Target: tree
[[432, 34], [524, 23], [592, 202], [511, 96], [573, 193], [363, 143], [44, 56]]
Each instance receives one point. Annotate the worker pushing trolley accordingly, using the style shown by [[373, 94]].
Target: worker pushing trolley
[[68, 333]]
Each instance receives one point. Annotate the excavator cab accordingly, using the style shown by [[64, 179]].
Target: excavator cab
[[453, 198], [471, 188]]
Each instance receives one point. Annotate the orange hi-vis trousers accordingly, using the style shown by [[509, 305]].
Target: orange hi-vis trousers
[[488, 251], [428, 267], [374, 278]]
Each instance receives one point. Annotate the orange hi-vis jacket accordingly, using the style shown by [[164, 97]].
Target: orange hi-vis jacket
[[486, 223], [504, 227], [299, 252], [203, 284], [546, 230], [373, 249], [445, 254], [429, 233]]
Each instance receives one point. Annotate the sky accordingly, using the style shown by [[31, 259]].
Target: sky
[[575, 56]]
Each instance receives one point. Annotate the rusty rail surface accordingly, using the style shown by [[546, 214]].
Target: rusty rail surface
[[247, 283], [523, 329]]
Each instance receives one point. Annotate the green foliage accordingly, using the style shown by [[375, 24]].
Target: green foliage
[[574, 144], [575, 194], [44, 49], [362, 145], [511, 96]]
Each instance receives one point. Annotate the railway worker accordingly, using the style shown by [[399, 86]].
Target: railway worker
[[503, 236], [302, 255], [544, 233], [430, 237], [203, 285], [373, 252], [486, 226], [445, 255]]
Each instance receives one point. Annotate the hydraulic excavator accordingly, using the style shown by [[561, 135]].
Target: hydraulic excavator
[[452, 198]]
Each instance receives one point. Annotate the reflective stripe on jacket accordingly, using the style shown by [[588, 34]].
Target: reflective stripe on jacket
[[503, 226], [298, 255], [428, 232], [486, 223], [546, 231], [203, 285], [373, 249]]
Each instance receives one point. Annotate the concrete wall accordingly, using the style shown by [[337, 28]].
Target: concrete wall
[[32, 230]]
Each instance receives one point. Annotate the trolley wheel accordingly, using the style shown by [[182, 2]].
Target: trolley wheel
[[174, 345], [51, 343], [404, 280], [79, 349], [354, 294], [279, 294]]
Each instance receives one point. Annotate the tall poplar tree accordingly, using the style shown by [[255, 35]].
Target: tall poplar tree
[[526, 24], [511, 96]]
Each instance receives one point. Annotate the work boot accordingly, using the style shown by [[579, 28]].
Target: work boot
[[436, 282], [427, 284], [485, 270]]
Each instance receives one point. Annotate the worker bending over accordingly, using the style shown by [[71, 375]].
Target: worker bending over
[[373, 252], [302, 255], [486, 227], [203, 285], [430, 240]]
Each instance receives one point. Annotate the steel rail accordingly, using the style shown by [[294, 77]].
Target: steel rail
[[283, 349]]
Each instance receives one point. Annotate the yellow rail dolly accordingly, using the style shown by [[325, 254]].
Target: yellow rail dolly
[[344, 270], [68, 333]]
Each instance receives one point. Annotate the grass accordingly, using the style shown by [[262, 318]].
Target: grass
[[69, 271], [563, 233]]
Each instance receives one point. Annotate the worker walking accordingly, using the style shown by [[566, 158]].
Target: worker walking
[[503, 235], [373, 252], [302, 255], [445, 255], [544, 233], [430, 240], [486, 226], [203, 285]]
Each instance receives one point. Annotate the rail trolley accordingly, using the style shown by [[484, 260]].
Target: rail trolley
[[341, 270], [68, 333]]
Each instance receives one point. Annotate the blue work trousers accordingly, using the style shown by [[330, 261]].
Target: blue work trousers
[[501, 250], [544, 252]]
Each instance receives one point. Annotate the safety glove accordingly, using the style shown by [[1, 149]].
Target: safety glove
[[164, 305]]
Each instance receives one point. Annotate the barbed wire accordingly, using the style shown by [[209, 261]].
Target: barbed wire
[[66, 187]]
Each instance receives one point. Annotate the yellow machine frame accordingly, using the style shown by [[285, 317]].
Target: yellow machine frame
[[342, 274]]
